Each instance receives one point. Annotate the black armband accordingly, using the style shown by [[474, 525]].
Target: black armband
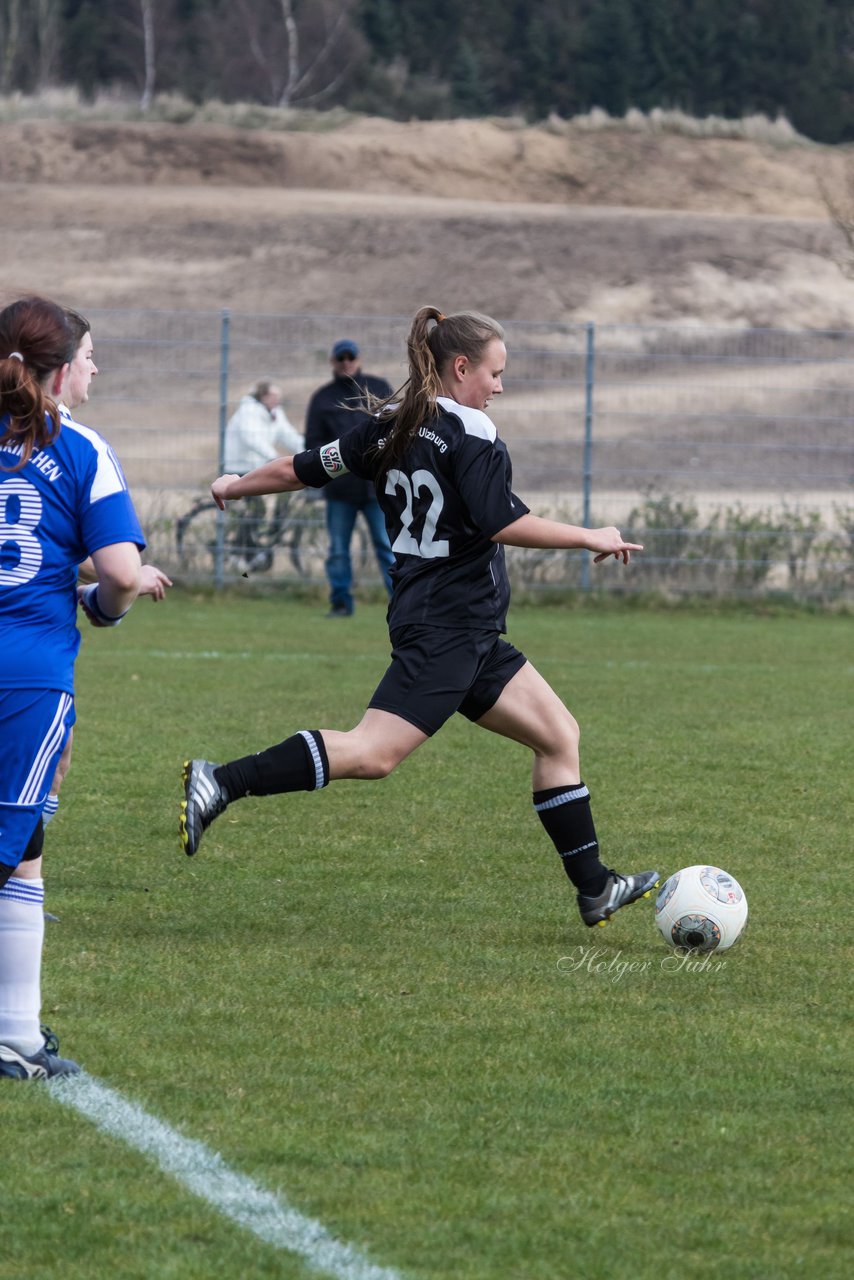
[[316, 467]]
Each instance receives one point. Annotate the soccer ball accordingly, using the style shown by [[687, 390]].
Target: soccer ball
[[701, 909]]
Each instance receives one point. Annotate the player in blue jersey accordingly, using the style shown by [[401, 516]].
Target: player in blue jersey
[[152, 581], [443, 479], [63, 497]]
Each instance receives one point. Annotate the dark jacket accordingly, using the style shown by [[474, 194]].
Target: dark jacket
[[330, 415]]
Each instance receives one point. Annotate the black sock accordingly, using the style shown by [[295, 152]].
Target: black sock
[[297, 764], [565, 814]]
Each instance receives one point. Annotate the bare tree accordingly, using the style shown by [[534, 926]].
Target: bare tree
[[303, 52], [137, 19], [10, 34], [299, 74], [292, 34], [147, 12], [47, 18]]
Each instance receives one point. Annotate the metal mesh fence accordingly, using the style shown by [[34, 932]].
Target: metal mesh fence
[[728, 452]]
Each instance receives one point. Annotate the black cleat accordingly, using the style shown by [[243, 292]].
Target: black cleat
[[618, 892], [204, 800], [41, 1065]]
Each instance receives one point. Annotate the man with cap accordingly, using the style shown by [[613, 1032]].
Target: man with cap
[[332, 412]]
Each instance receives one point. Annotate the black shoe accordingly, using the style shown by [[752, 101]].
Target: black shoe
[[204, 800], [618, 892], [42, 1064], [340, 611]]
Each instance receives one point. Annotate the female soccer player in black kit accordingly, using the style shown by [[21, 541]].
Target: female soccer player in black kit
[[443, 479]]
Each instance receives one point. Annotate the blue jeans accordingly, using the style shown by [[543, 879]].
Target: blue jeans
[[340, 520]]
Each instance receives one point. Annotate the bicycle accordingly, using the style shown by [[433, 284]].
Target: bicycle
[[252, 532]]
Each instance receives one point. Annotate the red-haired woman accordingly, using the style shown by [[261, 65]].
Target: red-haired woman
[[63, 497]]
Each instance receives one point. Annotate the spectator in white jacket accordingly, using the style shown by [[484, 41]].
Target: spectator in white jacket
[[258, 431]]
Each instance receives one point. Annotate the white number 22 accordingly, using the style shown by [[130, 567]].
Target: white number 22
[[429, 548]]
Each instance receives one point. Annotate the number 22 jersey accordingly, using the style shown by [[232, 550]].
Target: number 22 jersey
[[442, 502]]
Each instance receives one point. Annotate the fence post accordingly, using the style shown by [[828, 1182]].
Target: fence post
[[587, 471], [224, 347]]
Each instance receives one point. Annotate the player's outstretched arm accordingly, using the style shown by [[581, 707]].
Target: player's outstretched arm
[[277, 476], [536, 531]]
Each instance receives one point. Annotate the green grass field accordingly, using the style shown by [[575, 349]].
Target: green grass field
[[379, 1000]]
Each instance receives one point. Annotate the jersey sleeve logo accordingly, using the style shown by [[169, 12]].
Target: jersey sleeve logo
[[331, 460]]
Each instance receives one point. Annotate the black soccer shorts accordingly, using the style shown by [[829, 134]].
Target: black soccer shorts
[[436, 671]]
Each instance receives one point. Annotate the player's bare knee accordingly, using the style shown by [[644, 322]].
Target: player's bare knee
[[379, 765], [564, 736], [560, 745]]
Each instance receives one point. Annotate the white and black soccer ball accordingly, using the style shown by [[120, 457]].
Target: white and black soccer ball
[[701, 909]]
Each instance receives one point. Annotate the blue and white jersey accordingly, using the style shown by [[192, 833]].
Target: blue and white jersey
[[442, 504], [69, 500]]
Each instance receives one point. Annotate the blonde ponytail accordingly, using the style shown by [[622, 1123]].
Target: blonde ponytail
[[433, 342]]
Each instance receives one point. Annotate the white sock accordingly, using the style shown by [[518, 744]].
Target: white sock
[[49, 811], [21, 938]]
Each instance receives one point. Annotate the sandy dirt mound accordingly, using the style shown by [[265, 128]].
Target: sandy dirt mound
[[376, 217], [460, 159]]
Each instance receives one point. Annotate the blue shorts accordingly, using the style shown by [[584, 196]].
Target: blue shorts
[[34, 728], [436, 671]]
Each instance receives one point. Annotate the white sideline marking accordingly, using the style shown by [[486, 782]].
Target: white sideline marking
[[204, 1172]]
